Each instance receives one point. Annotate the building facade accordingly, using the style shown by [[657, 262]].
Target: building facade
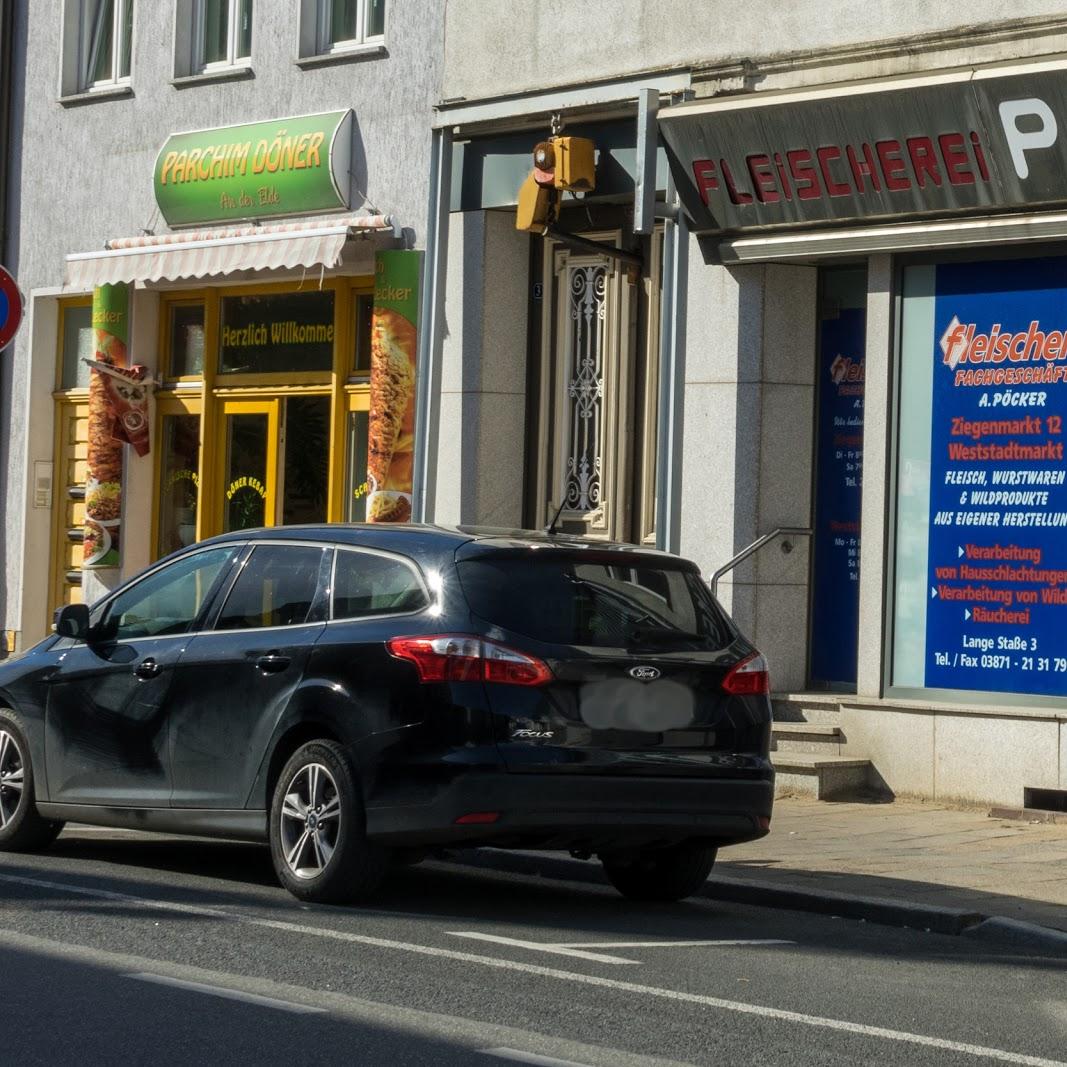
[[832, 311], [234, 168]]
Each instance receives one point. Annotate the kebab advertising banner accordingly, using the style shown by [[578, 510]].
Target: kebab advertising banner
[[394, 335], [103, 488], [996, 614]]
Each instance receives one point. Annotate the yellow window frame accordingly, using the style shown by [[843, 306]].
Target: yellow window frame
[[65, 305], [186, 298], [346, 384], [227, 408]]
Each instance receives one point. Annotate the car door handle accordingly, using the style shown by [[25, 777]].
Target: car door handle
[[272, 662], [148, 668]]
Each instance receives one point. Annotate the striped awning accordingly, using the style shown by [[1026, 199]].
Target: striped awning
[[208, 253]]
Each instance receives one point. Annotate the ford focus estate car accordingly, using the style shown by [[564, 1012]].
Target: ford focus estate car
[[356, 695]]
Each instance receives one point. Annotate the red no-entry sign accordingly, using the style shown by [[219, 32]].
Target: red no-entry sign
[[10, 308]]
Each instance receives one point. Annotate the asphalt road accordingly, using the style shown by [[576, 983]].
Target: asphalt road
[[119, 947]]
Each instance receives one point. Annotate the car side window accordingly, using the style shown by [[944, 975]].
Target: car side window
[[367, 584], [168, 601], [276, 587]]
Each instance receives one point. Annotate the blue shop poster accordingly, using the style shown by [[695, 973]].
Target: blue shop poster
[[997, 562], [838, 483]]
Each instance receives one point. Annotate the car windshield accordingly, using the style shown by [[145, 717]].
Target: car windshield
[[576, 601]]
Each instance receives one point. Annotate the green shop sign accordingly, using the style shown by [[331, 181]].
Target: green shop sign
[[295, 166]]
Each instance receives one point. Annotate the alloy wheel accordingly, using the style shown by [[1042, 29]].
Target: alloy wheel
[[310, 821], [11, 777]]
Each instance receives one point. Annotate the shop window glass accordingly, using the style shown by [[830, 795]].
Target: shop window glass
[[307, 451], [366, 584], [356, 477], [78, 346], [246, 471], [169, 601], [980, 573], [186, 340], [179, 481], [282, 332], [363, 310], [276, 588]]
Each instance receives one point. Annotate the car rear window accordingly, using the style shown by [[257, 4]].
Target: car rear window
[[575, 601], [368, 584]]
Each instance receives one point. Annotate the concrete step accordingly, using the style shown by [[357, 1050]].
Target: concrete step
[[819, 776], [808, 737], [824, 708]]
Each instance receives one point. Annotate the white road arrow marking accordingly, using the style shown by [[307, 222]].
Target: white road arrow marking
[[538, 946]]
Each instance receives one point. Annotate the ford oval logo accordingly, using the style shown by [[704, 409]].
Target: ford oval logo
[[644, 674]]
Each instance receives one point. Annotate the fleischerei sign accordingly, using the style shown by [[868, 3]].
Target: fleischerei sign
[[292, 166], [996, 615], [964, 143]]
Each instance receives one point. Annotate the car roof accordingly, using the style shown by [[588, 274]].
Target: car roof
[[433, 537]]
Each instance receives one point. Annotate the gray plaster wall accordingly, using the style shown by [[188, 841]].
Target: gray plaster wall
[[481, 441], [498, 47], [82, 174], [749, 394]]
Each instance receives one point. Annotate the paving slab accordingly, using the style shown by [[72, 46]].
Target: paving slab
[[924, 852]]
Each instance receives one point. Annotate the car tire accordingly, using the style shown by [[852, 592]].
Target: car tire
[[318, 837], [22, 829], [661, 873]]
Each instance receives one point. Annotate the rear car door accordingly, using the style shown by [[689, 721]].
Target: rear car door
[[237, 678], [649, 676], [373, 594], [109, 700]]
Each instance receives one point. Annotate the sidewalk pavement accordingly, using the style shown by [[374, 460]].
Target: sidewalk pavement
[[910, 851], [905, 863]]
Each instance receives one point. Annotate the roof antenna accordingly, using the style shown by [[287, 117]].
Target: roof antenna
[[550, 529]]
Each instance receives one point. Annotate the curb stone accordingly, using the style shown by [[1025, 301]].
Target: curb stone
[[1005, 931], [727, 887]]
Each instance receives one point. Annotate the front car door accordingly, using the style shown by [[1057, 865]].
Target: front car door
[[237, 678], [108, 699]]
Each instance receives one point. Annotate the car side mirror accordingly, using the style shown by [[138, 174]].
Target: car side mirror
[[73, 621]]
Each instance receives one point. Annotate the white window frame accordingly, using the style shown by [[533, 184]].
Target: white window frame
[[232, 60], [326, 47], [86, 61]]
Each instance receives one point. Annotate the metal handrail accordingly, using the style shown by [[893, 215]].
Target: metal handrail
[[781, 531]]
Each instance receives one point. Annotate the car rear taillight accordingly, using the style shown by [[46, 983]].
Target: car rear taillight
[[749, 677], [462, 658]]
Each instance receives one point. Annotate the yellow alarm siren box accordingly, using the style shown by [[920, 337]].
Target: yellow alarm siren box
[[575, 164], [535, 201]]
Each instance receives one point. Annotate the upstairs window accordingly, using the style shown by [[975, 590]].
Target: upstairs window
[[222, 34], [97, 39], [333, 29], [345, 24]]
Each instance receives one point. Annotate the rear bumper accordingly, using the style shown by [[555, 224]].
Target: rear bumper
[[581, 811]]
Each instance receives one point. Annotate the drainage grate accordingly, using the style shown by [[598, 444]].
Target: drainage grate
[[1045, 799]]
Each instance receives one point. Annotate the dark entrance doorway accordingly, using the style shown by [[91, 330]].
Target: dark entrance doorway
[[839, 395]]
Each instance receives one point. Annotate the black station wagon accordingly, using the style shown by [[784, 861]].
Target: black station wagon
[[360, 695]]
